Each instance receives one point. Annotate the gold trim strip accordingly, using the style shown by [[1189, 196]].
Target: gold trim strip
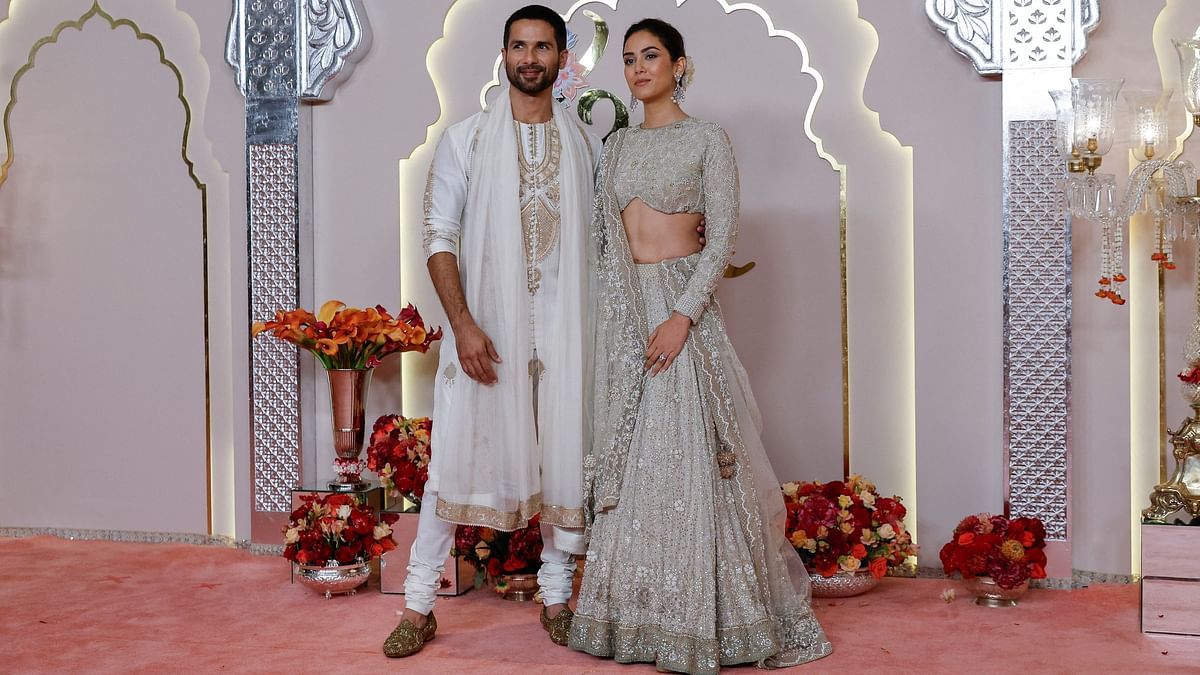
[[114, 24], [486, 516], [1162, 375], [842, 170]]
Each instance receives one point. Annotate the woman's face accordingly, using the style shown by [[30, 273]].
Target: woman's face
[[649, 71]]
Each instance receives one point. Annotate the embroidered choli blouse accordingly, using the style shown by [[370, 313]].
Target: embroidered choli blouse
[[684, 167]]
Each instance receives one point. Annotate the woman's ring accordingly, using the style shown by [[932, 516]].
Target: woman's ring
[[662, 357]]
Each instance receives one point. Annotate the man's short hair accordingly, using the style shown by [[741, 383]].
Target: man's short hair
[[539, 13]]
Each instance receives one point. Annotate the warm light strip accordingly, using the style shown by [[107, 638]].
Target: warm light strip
[[1144, 378]]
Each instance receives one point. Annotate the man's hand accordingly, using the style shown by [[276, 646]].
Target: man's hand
[[476, 353]]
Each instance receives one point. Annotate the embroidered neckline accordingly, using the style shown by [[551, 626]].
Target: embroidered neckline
[[669, 125]]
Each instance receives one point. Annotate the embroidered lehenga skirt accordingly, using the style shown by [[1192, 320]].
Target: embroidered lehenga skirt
[[684, 571]]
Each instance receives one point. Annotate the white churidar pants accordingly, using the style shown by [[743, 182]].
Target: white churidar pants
[[435, 538]]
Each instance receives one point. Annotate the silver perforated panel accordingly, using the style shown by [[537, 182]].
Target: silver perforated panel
[[1037, 303]]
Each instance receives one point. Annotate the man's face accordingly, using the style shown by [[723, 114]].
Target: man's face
[[532, 57]]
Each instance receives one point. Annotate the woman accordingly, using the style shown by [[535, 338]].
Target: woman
[[688, 566]]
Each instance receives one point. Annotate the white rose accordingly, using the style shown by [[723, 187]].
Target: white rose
[[868, 500], [790, 489], [382, 531], [849, 563], [886, 531], [343, 511], [292, 536]]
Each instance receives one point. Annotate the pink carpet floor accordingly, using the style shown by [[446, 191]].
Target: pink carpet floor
[[96, 607]]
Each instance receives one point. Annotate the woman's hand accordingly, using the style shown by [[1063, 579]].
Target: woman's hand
[[666, 342]]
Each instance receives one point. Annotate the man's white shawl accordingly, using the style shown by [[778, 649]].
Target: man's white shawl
[[487, 468]]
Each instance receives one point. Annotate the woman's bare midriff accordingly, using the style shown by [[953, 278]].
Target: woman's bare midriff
[[655, 236]]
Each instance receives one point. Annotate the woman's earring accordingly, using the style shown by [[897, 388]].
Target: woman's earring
[[678, 95], [633, 102]]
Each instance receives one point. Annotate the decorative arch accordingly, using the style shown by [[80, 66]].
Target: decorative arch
[[17, 12]]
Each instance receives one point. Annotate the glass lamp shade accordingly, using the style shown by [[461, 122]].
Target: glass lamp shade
[[1064, 122], [1189, 74], [1094, 103], [1148, 122]]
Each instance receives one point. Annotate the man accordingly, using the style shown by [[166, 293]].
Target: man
[[507, 217]]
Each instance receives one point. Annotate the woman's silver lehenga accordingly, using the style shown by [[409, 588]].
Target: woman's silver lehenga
[[688, 566]]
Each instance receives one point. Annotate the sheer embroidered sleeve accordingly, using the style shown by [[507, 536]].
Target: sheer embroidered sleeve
[[721, 204]]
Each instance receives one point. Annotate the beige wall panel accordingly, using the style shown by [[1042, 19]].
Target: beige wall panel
[[102, 264], [1114, 364], [104, 300], [933, 99]]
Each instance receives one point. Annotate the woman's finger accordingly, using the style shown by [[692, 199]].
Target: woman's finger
[[663, 362], [651, 360]]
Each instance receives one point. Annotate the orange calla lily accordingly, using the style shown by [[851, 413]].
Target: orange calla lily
[[329, 310], [350, 337]]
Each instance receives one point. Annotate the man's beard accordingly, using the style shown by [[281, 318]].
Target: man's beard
[[536, 87]]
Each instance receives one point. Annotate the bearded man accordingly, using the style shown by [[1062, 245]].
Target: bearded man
[[507, 218]]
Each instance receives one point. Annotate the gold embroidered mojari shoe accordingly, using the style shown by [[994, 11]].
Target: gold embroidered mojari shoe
[[559, 627], [406, 639]]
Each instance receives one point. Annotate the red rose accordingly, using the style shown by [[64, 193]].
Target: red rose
[[878, 568], [344, 554], [833, 490], [859, 551], [862, 517], [966, 538], [494, 567]]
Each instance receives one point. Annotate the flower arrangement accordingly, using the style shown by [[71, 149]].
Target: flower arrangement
[[334, 529], [494, 553], [399, 453], [1009, 550], [846, 526], [572, 78], [344, 337]]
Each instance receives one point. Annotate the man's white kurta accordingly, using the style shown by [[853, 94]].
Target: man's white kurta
[[492, 463]]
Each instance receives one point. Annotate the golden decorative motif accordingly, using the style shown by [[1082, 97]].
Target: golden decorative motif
[[1182, 490], [93, 12], [539, 201]]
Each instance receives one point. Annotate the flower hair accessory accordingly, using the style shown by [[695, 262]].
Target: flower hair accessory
[[689, 71]]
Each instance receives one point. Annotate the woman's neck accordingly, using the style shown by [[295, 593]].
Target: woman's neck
[[661, 113]]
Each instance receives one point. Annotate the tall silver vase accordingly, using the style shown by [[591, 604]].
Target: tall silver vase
[[347, 398]]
